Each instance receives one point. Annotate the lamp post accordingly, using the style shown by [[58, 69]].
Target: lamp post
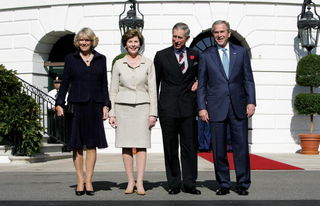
[[131, 21], [308, 26]]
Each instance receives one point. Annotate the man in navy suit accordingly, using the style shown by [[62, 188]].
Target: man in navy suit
[[226, 97]]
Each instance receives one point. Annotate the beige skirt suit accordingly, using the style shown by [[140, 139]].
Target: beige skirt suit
[[133, 96]]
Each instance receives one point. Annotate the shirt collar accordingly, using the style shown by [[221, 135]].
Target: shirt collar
[[125, 59], [226, 47], [178, 51]]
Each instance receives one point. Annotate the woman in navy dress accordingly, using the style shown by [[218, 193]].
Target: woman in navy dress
[[85, 79]]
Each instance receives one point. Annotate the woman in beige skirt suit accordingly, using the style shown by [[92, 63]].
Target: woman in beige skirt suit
[[134, 106]]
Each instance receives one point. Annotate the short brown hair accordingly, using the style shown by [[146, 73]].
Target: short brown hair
[[130, 34], [87, 33]]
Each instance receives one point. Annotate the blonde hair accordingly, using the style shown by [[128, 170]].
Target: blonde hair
[[88, 33]]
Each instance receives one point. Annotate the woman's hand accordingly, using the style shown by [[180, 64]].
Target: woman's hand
[[194, 86], [105, 111], [152, 121], [59, 111], [113, 122]]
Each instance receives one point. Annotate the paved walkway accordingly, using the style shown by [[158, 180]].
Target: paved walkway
[[53, 183], [155, 162]]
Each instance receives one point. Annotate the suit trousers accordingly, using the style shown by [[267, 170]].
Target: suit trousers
[[184, 131], [239, 141]]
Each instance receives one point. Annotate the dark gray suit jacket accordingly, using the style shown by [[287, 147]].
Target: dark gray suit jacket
[[175, 97]]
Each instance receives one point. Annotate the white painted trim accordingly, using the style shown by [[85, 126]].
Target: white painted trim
[[20, 4]]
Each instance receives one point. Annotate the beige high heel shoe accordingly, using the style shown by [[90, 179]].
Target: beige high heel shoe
[[129, 190], [140, 190]]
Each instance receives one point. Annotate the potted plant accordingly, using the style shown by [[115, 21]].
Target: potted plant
[[308, 74]]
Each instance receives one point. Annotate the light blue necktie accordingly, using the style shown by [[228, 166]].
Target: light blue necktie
[[225, 61]]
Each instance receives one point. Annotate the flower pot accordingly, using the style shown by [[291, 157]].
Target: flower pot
[[309, 143]]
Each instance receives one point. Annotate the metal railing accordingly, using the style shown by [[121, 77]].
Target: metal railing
[[55, 127]]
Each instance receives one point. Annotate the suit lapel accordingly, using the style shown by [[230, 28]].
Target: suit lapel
[[190, 62], [173, 59], [233, 57], [217, 59]]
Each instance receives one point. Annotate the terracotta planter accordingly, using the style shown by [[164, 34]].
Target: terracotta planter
[[309, 143]]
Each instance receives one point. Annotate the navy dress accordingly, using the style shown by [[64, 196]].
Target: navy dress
[[88, 92]]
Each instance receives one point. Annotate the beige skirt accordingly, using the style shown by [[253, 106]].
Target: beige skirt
[[132, 126]]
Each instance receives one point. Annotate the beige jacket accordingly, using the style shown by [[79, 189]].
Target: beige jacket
[[133, 85]]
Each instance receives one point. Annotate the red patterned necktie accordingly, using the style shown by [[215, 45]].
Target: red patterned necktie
[[181, 62]]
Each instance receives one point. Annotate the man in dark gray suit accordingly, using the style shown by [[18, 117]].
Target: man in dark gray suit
[[176, 71], [226, 98]]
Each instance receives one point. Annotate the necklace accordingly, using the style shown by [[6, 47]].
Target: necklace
[[87, 58], [134, 62]]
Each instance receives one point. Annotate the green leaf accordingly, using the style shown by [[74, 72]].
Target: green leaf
[[19, 116], [308, 71]]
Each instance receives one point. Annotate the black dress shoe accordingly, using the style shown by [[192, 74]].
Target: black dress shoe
[[229, 149], [192, 190], [222, 191], [203, 150], [90, 193], [242, 191], [174, 191], [80, 193]]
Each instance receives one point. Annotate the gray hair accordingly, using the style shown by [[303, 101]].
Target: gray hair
[[220, 22], [183, 27]]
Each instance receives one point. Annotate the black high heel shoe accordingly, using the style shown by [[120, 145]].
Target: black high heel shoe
[[90, 193], [81, 192]]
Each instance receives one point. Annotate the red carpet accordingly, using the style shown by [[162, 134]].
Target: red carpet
[[256, 162]]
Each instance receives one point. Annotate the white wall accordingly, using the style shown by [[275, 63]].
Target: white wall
[[30, 28]]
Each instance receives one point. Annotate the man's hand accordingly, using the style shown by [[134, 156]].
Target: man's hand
[[250, 110], [113, 122], [203, 114], [194, 86], [59, 111]]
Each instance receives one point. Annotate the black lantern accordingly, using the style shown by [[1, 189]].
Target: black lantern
[[131, 21], [308, 26]]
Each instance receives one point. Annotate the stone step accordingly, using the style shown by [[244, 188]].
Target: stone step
[[47, 152], [46, 148], [40, 157], [45, 138], [5, 152]]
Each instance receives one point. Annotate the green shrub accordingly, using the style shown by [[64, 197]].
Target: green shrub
[[9, 84], [308, 71], [308, 74], [307, 104], [19, 116], [120, 56]]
